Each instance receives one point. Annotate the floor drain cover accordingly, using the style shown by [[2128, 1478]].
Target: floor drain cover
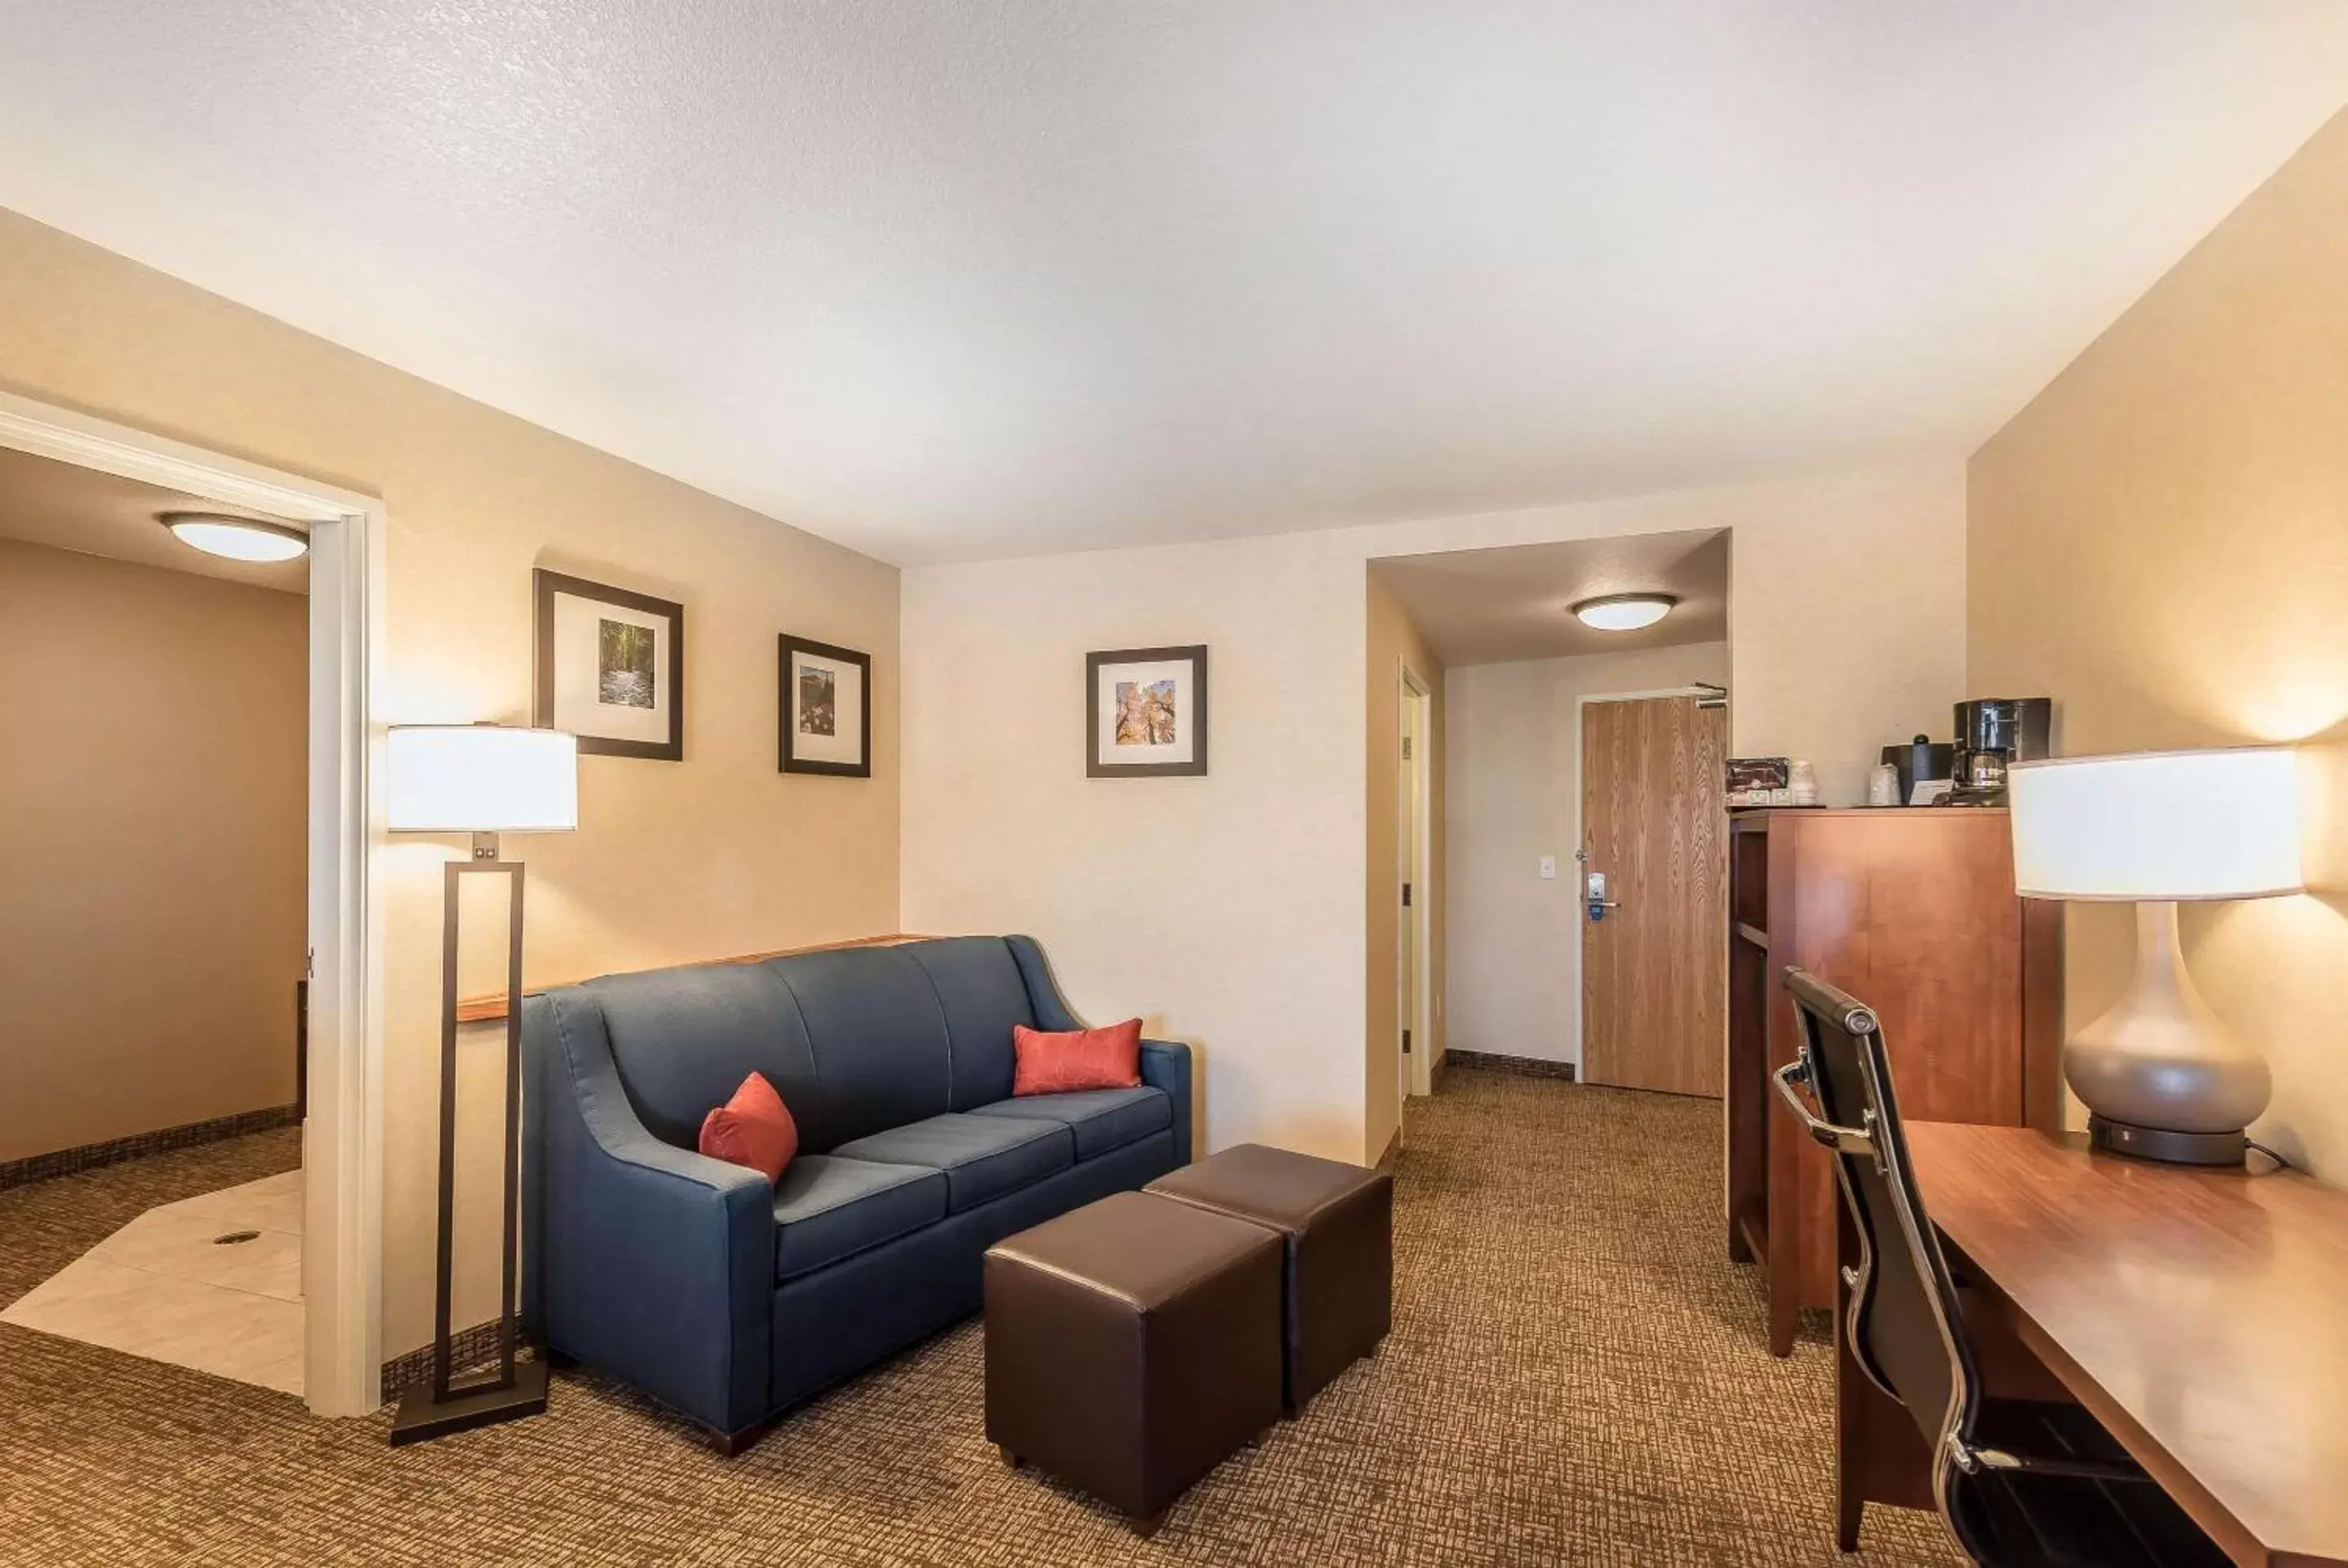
[[235, 1236]]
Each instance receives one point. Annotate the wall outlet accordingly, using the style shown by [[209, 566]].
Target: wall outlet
[[1548, 867]]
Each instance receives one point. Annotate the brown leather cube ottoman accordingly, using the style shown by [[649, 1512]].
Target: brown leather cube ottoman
[[1132, 1345], [1338, 1220]]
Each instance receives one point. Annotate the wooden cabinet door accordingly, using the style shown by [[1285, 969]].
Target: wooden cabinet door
[[1654, 967], [1914, 914]]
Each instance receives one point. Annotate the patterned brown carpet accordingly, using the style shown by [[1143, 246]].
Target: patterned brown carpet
[[1576, 1376]]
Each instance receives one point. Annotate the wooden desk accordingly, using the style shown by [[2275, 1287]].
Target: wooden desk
[[2202, 1316]]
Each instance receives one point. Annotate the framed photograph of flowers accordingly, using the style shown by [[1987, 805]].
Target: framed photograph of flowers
[[1145, 712], [826, 709], [610, 667]]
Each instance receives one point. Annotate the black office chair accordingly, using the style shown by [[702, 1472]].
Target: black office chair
[[2024, 1484]]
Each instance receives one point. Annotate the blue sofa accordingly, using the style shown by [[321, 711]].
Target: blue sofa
[[729, 1302]]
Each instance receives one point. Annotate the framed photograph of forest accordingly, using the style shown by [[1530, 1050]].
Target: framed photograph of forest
[[610, 667], [826, 708], [1145, 712]]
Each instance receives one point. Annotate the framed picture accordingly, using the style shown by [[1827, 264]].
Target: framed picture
[[610, 667], [826, 709], [1145, 712]]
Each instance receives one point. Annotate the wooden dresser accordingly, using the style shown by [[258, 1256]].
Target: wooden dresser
[[1912, 910]]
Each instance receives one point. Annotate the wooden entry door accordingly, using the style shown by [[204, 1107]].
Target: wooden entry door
[[1654, 976]]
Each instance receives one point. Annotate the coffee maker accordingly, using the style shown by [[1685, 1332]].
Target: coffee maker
[[1993, 733]]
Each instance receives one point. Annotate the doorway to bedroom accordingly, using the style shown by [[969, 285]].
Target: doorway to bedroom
[[189, 1152], [153, 944]]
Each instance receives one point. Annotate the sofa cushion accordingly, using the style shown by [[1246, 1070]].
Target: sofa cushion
[[1100, 1119], [828, 1208], [877, 1036], [981, 1157], [984, 998], [684, 1038]]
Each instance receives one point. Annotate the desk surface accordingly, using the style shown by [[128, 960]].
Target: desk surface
[[2201, 1315]]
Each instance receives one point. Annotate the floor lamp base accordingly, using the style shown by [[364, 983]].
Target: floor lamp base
[[2170, 1148], [421, 1418]]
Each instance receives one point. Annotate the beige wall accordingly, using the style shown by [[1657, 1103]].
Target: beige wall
[[2160, 542], [1846, 613], [1211, 907], [151, 846], [1393, 641], [718, 855], [1511, 753], [1845, 601]]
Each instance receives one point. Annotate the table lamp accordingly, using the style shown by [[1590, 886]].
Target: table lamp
[[2162, 1076], [484, 780]]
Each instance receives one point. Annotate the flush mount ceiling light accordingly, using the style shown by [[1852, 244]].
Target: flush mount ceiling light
[[1623, 611], [236, 538]]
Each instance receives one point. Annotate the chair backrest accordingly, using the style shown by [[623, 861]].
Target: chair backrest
[[856, 1041], [1906, 1327]]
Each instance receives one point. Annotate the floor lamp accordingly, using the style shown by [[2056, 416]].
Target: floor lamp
[[481, 779]]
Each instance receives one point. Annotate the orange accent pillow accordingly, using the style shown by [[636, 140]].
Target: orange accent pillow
[[754, 1129], [1059, 1063]]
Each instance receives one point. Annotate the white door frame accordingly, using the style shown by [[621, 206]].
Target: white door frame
[[342, 1243], [1416, 853], [1581, 829]]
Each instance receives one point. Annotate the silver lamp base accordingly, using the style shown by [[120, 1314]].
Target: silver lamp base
[[2164, 1077]]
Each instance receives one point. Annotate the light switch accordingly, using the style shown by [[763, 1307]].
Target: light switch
[[1548, 867]]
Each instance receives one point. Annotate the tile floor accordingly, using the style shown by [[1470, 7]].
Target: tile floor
[[163, 1286]]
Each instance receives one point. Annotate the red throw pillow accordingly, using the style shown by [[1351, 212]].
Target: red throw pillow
[[754, 1129], [1076, 1059]]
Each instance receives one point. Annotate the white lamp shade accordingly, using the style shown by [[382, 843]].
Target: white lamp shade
[[2158, 825], [481, 778]]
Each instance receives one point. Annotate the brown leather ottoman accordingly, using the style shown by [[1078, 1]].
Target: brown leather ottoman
[[1338, 1220], [1132, 1345]]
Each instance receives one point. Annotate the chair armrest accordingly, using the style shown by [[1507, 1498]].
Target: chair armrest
[[1166, 1064], [651, 1261], [2040, 1436], [2044, 1464]]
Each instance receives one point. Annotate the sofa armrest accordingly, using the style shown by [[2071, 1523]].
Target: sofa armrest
[[653, 1262], [1166, 1064]]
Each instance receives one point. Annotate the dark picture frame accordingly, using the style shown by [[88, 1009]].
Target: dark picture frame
[[1101, 665], [546, 587], [791, 758]]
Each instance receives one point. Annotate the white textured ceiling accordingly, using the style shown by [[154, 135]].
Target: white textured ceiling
[[1490, 606], [944, 281]]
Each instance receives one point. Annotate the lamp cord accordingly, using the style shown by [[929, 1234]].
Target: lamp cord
[[2270, 1155]]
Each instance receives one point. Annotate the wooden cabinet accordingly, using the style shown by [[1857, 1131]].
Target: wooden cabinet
[[1912, 910]]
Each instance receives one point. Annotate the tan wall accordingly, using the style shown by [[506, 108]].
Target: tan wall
[[718, 855], [1394, 642], [2160, 543], [1225, 911], [151, 847], [1230, 911], [1846, 601], [1510, 750]]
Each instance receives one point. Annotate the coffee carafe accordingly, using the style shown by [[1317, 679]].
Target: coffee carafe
[[1993, 733]]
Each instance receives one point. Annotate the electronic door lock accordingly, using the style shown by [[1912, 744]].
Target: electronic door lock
[[1594, 894]]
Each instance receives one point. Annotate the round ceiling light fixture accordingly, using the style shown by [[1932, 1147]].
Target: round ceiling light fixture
[[236, 538], [1623, 611]]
